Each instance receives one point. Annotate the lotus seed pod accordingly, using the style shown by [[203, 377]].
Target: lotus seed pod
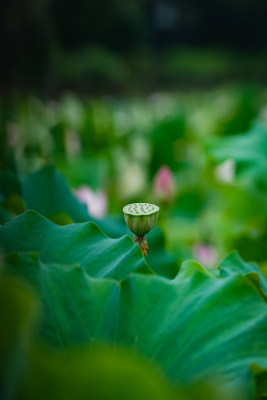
[[140, 219]]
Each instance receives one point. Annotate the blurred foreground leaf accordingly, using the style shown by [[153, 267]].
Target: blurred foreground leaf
[[17, 307]]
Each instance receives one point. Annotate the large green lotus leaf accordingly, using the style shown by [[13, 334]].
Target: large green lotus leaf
[[112, 226], [234, 263], [195, 326], [81, 243], [160, 260], [28, 373]]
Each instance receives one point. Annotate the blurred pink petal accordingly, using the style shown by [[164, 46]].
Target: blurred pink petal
[[205, 254], [96, 201], [164, 184]]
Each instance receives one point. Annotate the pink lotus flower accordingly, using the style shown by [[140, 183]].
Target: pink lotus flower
[[96, 201], [164, 185], [205, 254]]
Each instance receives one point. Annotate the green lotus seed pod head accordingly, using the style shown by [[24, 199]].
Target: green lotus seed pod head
[[140, 217]]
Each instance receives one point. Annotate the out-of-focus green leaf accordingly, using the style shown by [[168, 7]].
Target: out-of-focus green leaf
[[10, 191], [260, 375], [14, 204], [17, 308], [46, 192], [101, 373], [10, 183], [5, 215]]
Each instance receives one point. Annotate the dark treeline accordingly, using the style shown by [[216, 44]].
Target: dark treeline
[[37, 33]]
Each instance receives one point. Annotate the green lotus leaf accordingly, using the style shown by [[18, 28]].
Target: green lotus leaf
[[81, 243]]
